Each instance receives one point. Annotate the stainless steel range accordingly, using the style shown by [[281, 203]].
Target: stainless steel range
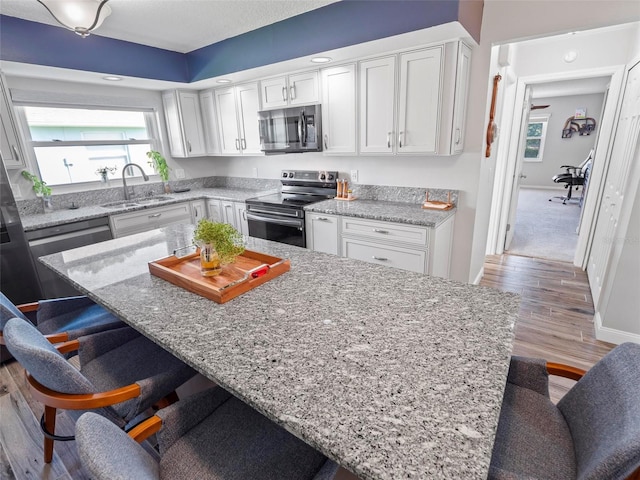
[[280, 216]]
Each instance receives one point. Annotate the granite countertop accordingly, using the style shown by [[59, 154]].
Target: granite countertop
[[57, 217], [391, 374], [400, 212]]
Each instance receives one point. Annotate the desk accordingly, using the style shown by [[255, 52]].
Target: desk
[[391, 374]]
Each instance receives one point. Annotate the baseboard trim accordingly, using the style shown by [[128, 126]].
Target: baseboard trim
[[478, 278], [612, 335]]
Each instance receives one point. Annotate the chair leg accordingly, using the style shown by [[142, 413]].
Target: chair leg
[[164, 402], [50, 424]]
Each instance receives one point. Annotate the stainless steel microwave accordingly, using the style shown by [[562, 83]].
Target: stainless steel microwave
[[291, 130]]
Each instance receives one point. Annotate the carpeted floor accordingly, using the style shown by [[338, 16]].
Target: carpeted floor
[[545, 229]]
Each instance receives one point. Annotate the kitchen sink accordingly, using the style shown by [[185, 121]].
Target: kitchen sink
[[137, 202], [147, 200]]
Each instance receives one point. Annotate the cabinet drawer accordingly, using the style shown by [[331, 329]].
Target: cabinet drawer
[[136, 222], [393, 232], [390, 256]]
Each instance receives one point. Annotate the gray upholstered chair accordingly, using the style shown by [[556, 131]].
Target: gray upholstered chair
[[60, 319], [593, 433], [210, 435], [122, 374]]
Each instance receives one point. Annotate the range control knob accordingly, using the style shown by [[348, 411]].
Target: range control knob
[[284, 174], [330, 177], [322, 176], [291, 175]]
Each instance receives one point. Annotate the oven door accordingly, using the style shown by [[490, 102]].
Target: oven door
[[277, 228]]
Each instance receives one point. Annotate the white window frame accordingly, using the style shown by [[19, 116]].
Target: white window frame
[[151, 121], [537, 118]]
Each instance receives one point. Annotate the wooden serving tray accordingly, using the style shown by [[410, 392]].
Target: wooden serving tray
[[248, 271], [435, 205]]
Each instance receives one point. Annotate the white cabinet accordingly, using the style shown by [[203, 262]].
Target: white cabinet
[[209, 122], [228, 211], [198, 210], [214, 211], [242, 224], [237, 116], [339, 109], [290, 90], [184, 123], [409, 247], [10, 147], [148, 219], [377, 105], [415, 102], [322, 232]]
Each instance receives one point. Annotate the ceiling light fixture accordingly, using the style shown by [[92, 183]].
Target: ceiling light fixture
[[112, 78], [223, 80], [80, 16], [320, 60]]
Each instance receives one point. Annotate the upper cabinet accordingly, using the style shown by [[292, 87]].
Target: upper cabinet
[[339, 109], [290, 90], [414, 102], [237, 117], [184, 123], [210, 122], [10, 148]]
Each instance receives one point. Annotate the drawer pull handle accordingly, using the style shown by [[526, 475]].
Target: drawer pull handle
[[155, 215], [323, 219], [377, 230], [381, 259]]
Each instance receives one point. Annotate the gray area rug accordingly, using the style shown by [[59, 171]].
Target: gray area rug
[[545, 229]]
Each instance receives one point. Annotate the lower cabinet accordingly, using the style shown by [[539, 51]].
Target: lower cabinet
[[198, 211], [323, 233], [242, 224], [233, 213], [409, 247], [148, 219]]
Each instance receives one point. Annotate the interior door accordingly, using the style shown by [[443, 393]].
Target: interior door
[[625, 145], [517, 175]]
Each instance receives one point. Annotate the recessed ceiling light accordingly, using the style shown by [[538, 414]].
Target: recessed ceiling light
[[223, 80], [321, 59], [112, 78]]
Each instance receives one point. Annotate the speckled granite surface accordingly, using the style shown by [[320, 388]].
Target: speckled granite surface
[[57, 217], [400, 212], [390, 373]]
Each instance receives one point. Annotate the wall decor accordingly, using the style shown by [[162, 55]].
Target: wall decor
[[582, 126], [491, 128]]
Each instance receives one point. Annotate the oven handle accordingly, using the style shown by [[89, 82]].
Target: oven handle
[[277, 221], [280, 214]]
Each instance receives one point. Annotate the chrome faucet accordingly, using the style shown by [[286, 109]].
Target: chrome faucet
[[124, 180]]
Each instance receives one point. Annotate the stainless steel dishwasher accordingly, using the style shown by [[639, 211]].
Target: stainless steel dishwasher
[[46, 241]]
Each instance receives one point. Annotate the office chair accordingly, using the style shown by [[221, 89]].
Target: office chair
[[574, 176], [209, 436], [592, 433]]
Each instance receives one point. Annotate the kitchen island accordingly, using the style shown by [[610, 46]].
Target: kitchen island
[[391, 374]]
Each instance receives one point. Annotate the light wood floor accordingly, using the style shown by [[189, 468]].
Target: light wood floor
[[555, 323]]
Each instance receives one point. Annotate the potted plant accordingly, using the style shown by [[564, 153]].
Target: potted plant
[[159, 164], [219, 244], [41, 188], [104, 173]]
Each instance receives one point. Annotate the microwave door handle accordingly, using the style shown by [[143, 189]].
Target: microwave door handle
[[301, 128]]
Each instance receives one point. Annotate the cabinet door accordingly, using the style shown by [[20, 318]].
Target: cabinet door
[[339, 109], [460, 103], [209, 122], [227, 209], [377, 105], [198, 211], [227, 121], [242, 224], [248, 107], [214, 210], [274, 92], [191, 117], [174, 129], [303, 88], [10, 148], [322, 233], [419, 101]]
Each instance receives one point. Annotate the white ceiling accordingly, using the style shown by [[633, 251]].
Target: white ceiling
[[178, 25]]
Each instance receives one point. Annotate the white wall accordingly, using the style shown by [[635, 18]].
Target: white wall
[[560, 151]]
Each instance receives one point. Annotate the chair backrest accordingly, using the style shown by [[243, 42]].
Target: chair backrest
[[603, 414], [8, 310], [34, 352]]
